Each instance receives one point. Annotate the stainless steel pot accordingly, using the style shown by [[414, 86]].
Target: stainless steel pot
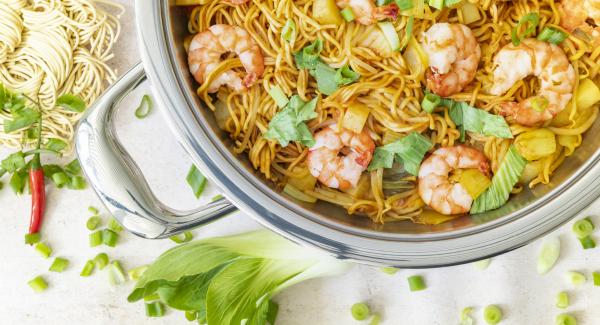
[[118, 182]]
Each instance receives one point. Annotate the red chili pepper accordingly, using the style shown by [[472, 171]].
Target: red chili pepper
[[38, 194]]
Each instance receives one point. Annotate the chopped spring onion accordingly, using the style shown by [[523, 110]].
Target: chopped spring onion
[[529, 22], [93, 210], [95, 238], [375, 320], [575, 278], [116, 275], [492, 314], [43, 250], [596, 278], [191, 315], [430, 102], [88, 268], [548, 255], [93, 223], [389, 270], [408, 32], [101, 260], [389, 31], [77, 183], [60, 179], [437, 4], [539, 103], [187, 236], [59, 265], [144, 108], [587, 242], [590, 220], [278, 96], [38, 284], [216, 197], [360, 311], [34, 238], [114, 225], [109, 238], [583, 228], [196, 180], [136, 273], [405, 4], [416, 283], [345, 75], [482, 264], [152, 297], [465, 316], [347, 14], [288, 33], [562, 300], [155, 309], [552, 35], [565, 319]]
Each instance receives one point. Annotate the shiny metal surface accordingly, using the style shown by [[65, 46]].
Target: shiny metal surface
[[118, 181], [527, 216]]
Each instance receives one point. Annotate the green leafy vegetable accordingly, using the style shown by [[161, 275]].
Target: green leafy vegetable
[[56, 145], [326, 78], [289, 124], [228, 280], [346, 76], [503, 182], [21, 119], [409, 151], [14, 162], [529, 22], [472, 119], [71, 103]]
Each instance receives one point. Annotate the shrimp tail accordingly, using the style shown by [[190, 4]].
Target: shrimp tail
[[387, 11]]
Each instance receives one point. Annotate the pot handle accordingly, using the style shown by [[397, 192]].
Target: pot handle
[[117, 179]]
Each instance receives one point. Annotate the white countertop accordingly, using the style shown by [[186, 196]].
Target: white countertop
[[510, 281]]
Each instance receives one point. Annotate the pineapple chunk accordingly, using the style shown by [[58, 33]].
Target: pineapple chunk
[[355, 117], [326, 12], [362, 188], [473, 181], [470, 13], [303, 180], [536, 144], [587, 94]]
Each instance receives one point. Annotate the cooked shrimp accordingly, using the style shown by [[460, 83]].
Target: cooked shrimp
[[367, 13], [435, 187], [207, 48], [543, 60], [454, 55], [338, 158], [575, 13]]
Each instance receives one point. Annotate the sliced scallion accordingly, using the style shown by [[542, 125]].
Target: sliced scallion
[[583, 228], [116, 275], [347, 14], [196, 180], [151, 297], [562, 300], [482, 264], [101, 260], [575, 278], [59, 265], [529, 22], [34, 238], [465, 316], [109, 238], [93, 210], [565, 319], [492, 314], [95, 238], [596, 278], [552, 35], [60, 179], [88, 268], [114, 225], [375, 320], [77, 183], [430, 102], [43, 250], [278, 96], [360, 311], [389, 270], [587, 242], [416, 283], [548, 255], [38, 284], [136, 273], [187, 236], [155, 309], [144, 108], [437, 4], [93, 223], [288, 33]]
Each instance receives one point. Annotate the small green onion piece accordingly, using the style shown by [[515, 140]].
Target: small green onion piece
[[60, 179], [590, 220], [380, 3], [38, 284], [416, 283], [530, 22], [216, 197], [93, 223], [88, 268], [408, 32], [278, 96], [347, 14], [430, 102], [191, 315], [95, 238], [78, 183], [375, 320], [43, 250], [136, 273], [59, 265], [562, 300], [492, 314], [596, 277], [155, 309], [552, 35], [187, 236], [437, 4], [548, 255], [101, 260], [109, 238], [404, 4], [114, 225], [360, 311], [93, 210], [565, 319], [389, 270], [34, 238], [587, 242], [151, 297], [116, 275], [465, 316], [583, 228], [539, 104], [196, 180], [144, 108], [482, 264], [575, 278], [288, 33]]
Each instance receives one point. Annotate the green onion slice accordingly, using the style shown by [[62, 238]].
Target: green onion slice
[[548, 255], [59, 265], [95, 238], [347, 14], [375, 320], [529, 22], [60, 179], [101, 260], [93, 223], [88, 268], [116, 275], [92, 209], [155, 309], [109, 238], [360, 311], [43, 250], [78, 183], [575, 278], [596, 278], [565, 319], [38, 284], [465, 316], [34, 238], [196, 180], [144, 108], [583, 228], [416, 283], [587, 242], [187, 236], [288, 33], [191, 315], [552, 35], [136, 273], [492, 314], [430, 102], [562, 300], [114, 225], [278, 96], [389, 270]]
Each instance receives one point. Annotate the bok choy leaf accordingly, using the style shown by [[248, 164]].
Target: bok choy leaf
[[289, 124], [409, 151], [469, 118]]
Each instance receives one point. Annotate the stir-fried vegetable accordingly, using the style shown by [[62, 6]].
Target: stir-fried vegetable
[[525, 27], [536, 144], [409, 151], [470, 13], [355, 117], [468, 118], [289, 124], [473, 181], [389, 31]]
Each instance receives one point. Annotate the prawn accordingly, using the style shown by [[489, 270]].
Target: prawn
[[338, 159], [543, 60], [574, 14], [435, 186], [454, 55], [207, 48], [367, 13]]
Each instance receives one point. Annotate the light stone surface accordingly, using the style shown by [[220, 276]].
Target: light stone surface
[[510, 281]]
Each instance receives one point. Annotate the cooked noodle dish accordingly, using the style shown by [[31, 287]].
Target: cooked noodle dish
[[399, 110]]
